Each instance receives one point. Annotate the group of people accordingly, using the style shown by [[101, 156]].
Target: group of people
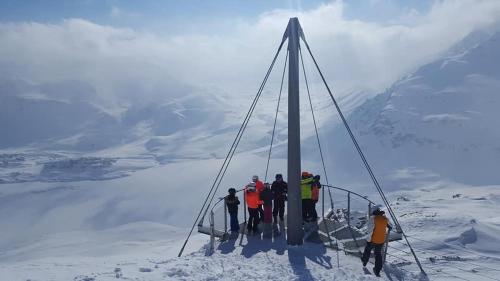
[[266, 202]]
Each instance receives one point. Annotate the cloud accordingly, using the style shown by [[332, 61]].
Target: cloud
[[119, 62]]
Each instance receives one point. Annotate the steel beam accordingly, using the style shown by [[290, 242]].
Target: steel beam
[[295, 233]]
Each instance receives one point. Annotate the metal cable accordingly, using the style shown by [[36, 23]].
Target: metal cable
[[435, 271], [450, 265], [315, 126], [228, 158], [465, 270], [363, 158], [428, 252], [453, 246], [276, 116], [245, 124], [317, 139]]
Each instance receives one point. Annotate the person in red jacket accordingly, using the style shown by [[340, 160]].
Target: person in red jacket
[[266, 195], [259, 186], [253, 201]]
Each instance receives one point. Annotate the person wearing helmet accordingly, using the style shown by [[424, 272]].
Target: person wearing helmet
[[259, 187], [253, 201], [280, 190], [232, 203], [377, 225], [258, 184], [306, 195]]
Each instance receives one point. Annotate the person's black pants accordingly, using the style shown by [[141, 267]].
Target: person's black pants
[[313, 213], [233, 219], [261, 213], [253, 219], [306, 209], [279, 208], [377, 249]]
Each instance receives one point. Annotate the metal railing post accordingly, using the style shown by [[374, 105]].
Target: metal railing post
[[369, 211], [323, 202], [349, 209], [386, 244], [245, 206], [212, 232], [225, 219]]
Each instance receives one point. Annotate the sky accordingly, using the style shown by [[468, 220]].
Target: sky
[[188, 15], [142, 50]]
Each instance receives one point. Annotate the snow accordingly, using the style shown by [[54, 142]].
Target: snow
[[440, 118], [444, 118], [452, 230], [449, 238]]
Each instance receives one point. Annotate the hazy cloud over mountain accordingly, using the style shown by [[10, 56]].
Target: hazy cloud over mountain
[[140, 66]]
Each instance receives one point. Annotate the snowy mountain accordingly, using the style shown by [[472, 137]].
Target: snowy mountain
[[66, 116], [440, 119], [50, 136]]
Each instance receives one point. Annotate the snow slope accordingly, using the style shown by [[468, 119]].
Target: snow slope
[[438, 121], [119, 254], [452, 227]]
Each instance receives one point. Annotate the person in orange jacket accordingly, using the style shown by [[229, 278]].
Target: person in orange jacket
[[253, 201], [259, 186], [377, 225]]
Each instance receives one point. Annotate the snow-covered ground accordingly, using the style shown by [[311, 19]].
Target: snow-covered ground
[[453, 228]]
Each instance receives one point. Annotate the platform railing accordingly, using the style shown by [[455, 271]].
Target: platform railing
[[349, 195], [222, 232], [212, 231]]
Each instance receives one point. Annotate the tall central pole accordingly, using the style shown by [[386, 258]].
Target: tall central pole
[[295, 233]]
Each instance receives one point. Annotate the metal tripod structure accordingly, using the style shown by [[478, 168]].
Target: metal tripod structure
[[295, 233]]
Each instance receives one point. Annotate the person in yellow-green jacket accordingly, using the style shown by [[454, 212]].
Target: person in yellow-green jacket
[[306, 194]]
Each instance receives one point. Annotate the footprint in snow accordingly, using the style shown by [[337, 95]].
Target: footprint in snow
[[145, 269], [84, 278]]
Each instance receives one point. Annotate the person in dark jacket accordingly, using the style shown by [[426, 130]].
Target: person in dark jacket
[[279, 189], [232, 203], [266, 195], [315, 187]]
